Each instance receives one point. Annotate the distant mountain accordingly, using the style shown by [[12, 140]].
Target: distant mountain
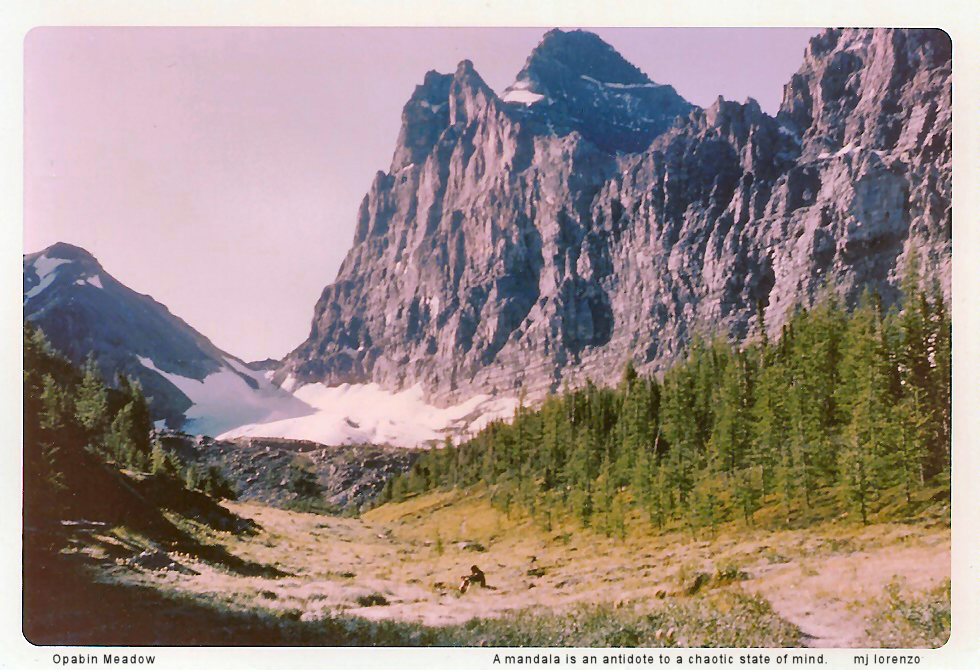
[[588, 215], [191, 383]]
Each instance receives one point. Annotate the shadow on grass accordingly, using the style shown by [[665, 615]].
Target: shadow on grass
[[63, 605]]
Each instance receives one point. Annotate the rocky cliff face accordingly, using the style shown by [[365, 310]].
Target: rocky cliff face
[[589, 215]]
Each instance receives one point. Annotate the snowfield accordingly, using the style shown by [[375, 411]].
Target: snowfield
[[225, 406], [224, 400], [365, 413]]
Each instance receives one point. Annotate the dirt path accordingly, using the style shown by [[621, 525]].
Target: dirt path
[[830, 597]]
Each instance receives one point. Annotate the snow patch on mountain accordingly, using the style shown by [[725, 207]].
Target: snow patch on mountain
[[433, 108], [45, 268], [522, 96], [289, 384], [223, 400], [94, 281], [364, 413], [610, 84]]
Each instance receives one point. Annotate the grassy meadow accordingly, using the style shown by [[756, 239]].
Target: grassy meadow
[[390, 577]]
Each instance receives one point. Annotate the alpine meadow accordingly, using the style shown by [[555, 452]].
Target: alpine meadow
[[601, 368]]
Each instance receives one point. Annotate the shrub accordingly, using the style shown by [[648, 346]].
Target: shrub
[[906, 620]]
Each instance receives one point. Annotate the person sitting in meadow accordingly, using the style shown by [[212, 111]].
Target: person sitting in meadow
[[476, 576]]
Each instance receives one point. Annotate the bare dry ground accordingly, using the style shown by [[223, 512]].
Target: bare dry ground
[[403, 562]]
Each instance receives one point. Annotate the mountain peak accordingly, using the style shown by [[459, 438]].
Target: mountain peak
[[65, 251], [579, 53], [575, 81]]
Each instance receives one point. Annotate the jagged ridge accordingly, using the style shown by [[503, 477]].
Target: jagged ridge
[[511, 248]]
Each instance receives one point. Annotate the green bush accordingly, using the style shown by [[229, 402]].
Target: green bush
[[912, 621]]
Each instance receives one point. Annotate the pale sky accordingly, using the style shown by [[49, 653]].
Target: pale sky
[[219, 170]]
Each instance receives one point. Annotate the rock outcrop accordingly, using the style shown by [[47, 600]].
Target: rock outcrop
[[286, 473], [589, 215]]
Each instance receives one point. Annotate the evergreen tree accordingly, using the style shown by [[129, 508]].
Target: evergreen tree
[[580, 503], [680, 430], [660, 499], [730, 440], [164, 462], [641, 480], [707, 509], [770, 428], [53, 438], [910, 433], [118, 440], [92, 404], [636, 431], [57, 408], [940, 438], [583, 464], [864, 397], [58, 431], [852, 404], [142, 423], [747, 492], [602, 498], [817, 364], [555, 438], [616, 524]]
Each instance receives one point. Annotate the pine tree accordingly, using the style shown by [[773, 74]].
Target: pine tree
[[57, 407], [436, 464], [747, 492], [142, 423], [602, 498], [555, 438], [583, 464], [616, 525], [911, 427], [708, 365], [661, 508], [857, 477], [818, 368], [92, 403], [706, 510], [940, 439], [641, 479], [580, 503], [58, 433], [813, 413], [730, 440], [53, 439], [680, 430], [636, 431], [118, 440], [866, 456], [923, 368], [770, 428], [451, 465]]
